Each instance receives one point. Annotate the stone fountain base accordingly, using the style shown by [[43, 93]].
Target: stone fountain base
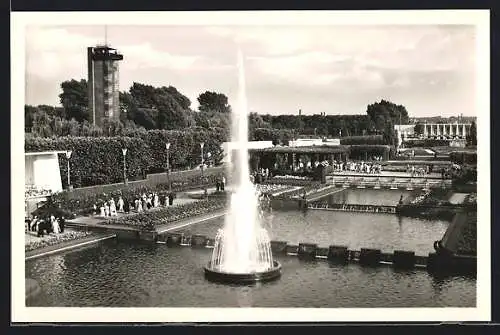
[[243, 278]]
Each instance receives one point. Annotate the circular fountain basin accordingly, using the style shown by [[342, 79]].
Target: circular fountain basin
[[243, 278]]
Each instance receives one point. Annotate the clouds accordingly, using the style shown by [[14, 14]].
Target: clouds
[[316, 66]]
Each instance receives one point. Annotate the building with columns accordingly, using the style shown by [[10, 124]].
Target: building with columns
[[447, 130], [435, 130]]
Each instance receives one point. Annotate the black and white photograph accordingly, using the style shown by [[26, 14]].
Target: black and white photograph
[[284, 166]]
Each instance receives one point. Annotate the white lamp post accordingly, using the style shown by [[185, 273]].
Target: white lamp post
[[124, 152], [167, 146], [68, 156]]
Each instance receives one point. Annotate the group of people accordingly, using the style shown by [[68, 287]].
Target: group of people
[[420, 171], [46, 225], [220, 184], [360, 167], [140, 203]]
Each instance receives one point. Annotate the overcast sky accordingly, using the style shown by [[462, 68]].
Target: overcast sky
[[332, 69]]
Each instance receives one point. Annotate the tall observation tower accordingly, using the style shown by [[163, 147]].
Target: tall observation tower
[[103, 83]]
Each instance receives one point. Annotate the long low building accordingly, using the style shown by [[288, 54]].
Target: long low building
[[435, 130]]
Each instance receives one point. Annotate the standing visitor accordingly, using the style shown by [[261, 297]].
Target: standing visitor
[[120, 204], [102, 209], [40, 227], [171, 199], [33, 223], [223, 183], [126, 206], [167, 200], [55, 225], [106, 209], [139, 206], [112, 207], [62, 223], [156, 200]]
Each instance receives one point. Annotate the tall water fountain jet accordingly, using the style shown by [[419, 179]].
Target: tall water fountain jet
[[242, 251]]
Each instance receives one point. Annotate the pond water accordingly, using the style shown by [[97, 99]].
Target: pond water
[[132, 274], [368, 196], [121, 274], [387, 232]]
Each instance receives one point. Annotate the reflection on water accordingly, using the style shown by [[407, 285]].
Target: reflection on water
[[387, 232], [124, 275], [367, 197]]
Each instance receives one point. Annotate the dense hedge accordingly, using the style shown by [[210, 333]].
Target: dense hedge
[[147, 221], [467, 244], [99, 160], [463, 157], [363, 151], [367, 139], [426, 143], [95, 160], [185, 150]]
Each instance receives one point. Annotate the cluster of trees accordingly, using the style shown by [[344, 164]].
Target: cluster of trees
[[148, 107]]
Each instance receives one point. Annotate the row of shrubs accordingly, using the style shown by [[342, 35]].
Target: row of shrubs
[[366, 139], [99, 160], [82, 202], [463, 157], [467, 244], [428, 142], [148, 221]]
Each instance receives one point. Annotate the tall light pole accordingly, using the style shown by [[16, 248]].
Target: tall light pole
[[68, 156], [124, 152], [202, 144], [167, 146]]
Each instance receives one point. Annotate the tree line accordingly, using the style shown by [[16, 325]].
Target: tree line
[[165, 108]]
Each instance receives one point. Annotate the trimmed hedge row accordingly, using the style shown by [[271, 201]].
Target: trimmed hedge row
[[366, 139], [148, 221], [463, 157], [426, 143], [95, 160], [361, 151], [99, 160]]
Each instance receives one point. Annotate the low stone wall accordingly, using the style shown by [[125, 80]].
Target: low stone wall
[[399, 259], [353, 208]]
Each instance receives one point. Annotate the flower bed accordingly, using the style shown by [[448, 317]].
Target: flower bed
[[55, 239], [147, 221]]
